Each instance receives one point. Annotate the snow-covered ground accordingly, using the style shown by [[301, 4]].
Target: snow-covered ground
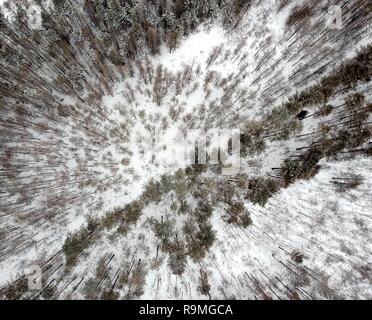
[[265, 63]]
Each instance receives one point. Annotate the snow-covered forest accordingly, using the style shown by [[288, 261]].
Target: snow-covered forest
[[89, 213]]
